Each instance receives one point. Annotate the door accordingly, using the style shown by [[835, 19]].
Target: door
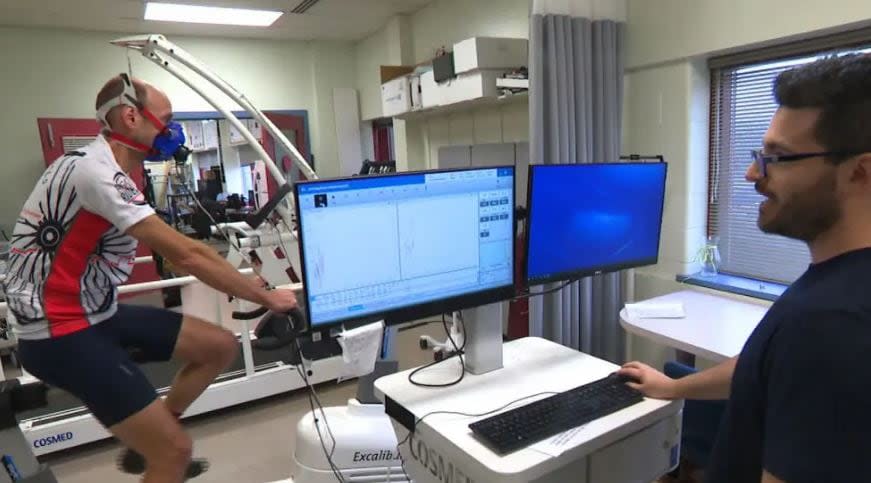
[[293, 126], [59, 136]]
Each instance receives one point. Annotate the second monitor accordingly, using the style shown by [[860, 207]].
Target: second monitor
[[405, 246], [591, 218]]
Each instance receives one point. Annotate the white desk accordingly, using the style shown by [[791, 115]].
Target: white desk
[[715, 328], [635, 444]]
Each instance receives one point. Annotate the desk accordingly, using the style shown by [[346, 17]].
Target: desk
[[715, 328], [638, 443]]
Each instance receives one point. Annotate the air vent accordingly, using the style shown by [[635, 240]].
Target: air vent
[[73, 143], [304, 5]]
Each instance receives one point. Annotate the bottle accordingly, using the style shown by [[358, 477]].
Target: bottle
[[709, 257]]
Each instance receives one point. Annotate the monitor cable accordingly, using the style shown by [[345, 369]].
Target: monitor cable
[[458, 352], [529, 295]]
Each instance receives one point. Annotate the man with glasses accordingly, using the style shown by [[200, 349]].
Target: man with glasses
[[799, 394], [75, 242]]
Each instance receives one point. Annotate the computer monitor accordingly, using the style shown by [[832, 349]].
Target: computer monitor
[[586, 219], [400, 247]]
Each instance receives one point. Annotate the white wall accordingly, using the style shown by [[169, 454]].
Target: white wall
[[332, 66], [485, 125], [664, 30], [370, 54], [445, 22], [56, 73], [667, 103]]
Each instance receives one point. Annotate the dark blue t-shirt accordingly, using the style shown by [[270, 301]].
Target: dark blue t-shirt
[[800, 403]]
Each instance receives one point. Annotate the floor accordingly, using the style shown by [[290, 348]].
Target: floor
[[251, 443]]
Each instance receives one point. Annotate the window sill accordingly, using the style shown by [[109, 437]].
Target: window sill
[[738, 285]]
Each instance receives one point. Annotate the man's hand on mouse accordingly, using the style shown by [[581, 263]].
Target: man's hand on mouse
[[648, 380]]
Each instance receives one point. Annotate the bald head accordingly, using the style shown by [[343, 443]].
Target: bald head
[[148, 96]]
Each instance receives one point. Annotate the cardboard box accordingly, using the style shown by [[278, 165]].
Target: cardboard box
[[490, 53], [390, 72], [396, 96]]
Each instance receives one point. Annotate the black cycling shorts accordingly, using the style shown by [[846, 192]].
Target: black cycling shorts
[[95, 365]]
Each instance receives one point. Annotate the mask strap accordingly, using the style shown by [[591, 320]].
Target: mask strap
[[154, 120], [130, 143]]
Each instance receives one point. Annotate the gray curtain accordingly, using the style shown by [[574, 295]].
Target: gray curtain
[[576, 100]]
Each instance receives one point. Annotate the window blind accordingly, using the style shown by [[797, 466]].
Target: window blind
[[742, 104]]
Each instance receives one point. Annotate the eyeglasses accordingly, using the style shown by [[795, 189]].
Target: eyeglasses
[[762, 160]]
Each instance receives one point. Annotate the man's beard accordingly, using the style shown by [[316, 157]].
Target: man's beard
[[805, 216]]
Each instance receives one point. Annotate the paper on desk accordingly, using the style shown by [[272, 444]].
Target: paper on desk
[[360, 348], [656, 310], [558, 444]]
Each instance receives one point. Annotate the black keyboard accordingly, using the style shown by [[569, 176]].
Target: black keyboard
[[523, 426]]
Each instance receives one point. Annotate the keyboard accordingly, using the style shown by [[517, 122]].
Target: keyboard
[[523, 426]]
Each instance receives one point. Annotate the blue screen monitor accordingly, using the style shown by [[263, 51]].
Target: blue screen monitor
[[586, 219], [405, 246]]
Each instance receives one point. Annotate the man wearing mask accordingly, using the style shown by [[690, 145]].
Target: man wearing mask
[[799, 392], [75, 242]]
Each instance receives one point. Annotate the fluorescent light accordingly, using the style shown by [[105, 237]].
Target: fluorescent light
[[173, 12]]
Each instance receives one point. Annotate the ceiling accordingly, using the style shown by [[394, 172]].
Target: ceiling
[[325, 20]]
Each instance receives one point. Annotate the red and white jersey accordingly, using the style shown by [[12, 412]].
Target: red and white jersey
[[69, 251]]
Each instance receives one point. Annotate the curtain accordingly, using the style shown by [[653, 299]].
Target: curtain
[[576, 96]]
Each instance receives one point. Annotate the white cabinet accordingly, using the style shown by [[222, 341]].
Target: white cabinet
[[253, 127], [210, 134], [471, 85], [430, 95], [490, 53], [201, 135], [193, 131]]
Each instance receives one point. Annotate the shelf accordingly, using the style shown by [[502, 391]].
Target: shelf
[[463, 106], [205, 150]]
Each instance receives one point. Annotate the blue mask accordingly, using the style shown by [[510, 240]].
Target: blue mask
[[169, 144]]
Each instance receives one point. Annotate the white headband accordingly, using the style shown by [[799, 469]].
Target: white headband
[[126, 98]]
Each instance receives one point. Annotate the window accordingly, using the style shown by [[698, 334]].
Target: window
[[742, 104]]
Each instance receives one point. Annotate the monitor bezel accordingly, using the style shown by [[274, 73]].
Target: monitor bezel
[[578, 274], [418, 311]]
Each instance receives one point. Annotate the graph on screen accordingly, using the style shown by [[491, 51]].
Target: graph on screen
[[377, 244]]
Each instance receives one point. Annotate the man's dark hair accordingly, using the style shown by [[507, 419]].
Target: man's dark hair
[[840, 86]]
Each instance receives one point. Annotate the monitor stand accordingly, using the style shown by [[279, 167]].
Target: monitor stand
[[483, 326]]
